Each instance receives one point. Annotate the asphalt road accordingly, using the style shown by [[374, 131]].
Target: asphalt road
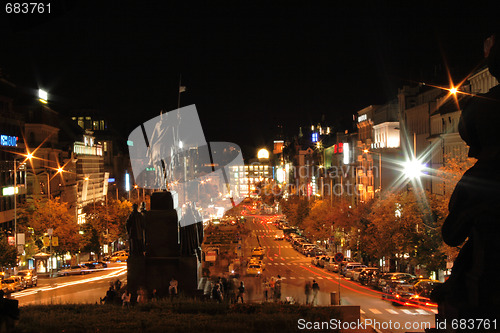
[[88, 288], [295, 269]]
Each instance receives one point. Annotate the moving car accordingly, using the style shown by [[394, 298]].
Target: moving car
[[74, 270], [95, 264], [118, 257], [280, 235], [254, 269], [29, 277], [258, 251]]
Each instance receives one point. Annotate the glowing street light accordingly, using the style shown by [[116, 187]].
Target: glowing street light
[[413, 168], [263, 154], [42, 96]]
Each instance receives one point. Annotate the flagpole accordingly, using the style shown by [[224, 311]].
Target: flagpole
[[179, 93]]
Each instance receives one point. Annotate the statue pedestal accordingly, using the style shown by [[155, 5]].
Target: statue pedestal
[[163, 260], [156, 273]]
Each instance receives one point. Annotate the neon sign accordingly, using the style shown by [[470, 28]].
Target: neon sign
[[8, 141]]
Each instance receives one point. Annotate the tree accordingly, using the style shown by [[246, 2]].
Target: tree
[[296, 209], [42, 215], [319, 221], [104, 223], [8, 255]]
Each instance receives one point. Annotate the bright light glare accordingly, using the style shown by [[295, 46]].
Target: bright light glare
[[453, 90], [413, 169]]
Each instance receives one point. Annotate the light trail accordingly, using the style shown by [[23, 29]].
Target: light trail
[[116, 273]]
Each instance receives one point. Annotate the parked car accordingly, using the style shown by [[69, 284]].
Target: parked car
[[395, 276], [304, 247], [348, 266], [74, 270], [315, 260], [358, 271], [325, 260], [349, 273], [29, 277], [13, 284], [367, 274]]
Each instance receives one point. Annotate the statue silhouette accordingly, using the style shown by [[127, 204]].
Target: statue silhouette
[[473, 288]]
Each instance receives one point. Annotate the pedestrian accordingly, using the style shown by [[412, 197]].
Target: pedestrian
[[118, 284], [241, 292], [266, 289], [126, 299], [315, 290], [154, 295], [217, 293], [277, 289], [272, 283], [110, 297], [308, 289], [172, 289], [142, 296], [234, 289]]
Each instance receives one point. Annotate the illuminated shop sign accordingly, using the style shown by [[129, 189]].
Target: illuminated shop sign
[[8, 141], [338, 148]]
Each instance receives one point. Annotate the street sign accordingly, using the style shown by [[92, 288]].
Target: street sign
[[50, 231], [339, 257], [211, 256], [55, 241], [46, 241]]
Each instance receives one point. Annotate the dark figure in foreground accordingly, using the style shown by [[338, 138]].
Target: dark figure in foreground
[[473, 289]]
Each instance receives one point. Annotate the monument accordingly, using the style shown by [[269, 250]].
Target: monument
[[170, 250]]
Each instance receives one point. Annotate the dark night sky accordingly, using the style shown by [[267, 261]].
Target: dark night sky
[[247, 65]]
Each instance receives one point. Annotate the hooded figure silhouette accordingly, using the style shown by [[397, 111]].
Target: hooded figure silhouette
[[473, 288]]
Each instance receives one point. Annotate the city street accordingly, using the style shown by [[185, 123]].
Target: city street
[[295, 269], [88, 288]]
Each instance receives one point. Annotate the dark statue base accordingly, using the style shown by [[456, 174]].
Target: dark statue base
[[156, 273], [170, 251]]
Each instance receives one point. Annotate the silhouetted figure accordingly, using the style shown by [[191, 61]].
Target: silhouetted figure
[[307, 290], [473, 288], [315, 291], [135, 230]]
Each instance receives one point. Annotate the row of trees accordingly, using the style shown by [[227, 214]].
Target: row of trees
[[406, 224], [105, 223]]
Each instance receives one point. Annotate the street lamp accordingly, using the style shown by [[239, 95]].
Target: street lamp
[[413, 168]]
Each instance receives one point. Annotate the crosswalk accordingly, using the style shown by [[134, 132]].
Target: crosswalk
[[414, 312], [285, 263]]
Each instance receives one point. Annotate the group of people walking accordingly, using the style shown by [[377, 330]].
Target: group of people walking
[[311, 289], [230, 290], [272, 289], [125, 297]]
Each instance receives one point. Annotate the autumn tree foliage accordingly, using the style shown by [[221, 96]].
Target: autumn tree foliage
[[8, 253], [104, 223], [42, 215]]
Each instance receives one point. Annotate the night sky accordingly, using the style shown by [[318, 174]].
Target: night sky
[[247, 66]]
